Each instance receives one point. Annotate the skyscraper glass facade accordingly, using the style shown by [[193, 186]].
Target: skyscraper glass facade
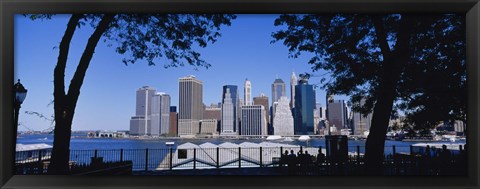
[[304, 107]]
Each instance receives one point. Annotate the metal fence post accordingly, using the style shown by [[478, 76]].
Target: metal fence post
[[281, 155], [146, 159], [218, 157], [239, 157], [358, 155], [395, 162], [39, 155], [194, 158], [95, 154], [261, 161], [121, 155], [411, 149], [171, 158]]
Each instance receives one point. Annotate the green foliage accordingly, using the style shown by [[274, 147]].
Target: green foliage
[[432, 84], [151, 37]]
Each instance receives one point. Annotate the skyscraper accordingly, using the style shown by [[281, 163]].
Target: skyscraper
[[213, 112], [337, 115], [190, 110], [304, 106], [247, 91], [253, 120], [293, 83], [262, 100], [164, 113], [278, 89], [361, 123], [235, 102], [283, 121], [160, 121], [140, 123], [228, 118], [172, 131]]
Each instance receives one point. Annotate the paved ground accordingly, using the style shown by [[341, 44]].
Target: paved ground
[[222, 171]]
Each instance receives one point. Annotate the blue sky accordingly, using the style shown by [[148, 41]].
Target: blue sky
[[107, 99]]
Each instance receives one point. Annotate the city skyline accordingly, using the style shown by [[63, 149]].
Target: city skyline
[[109, 81]]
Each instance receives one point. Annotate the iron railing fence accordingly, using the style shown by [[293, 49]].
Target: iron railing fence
[[398, 160]]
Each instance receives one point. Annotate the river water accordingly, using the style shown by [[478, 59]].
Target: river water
[[79, 142]]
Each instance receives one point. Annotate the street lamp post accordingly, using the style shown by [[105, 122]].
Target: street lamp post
[[20, 94]]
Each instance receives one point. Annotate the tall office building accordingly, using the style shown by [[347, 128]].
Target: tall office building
[[235, 102], [160, 121], [253, 120], [247, 91], [263, 100], [293, 83], [283, 121], [190, 110], [228, 118], [172, 131], [304, 107], [318, 118], [140, 123], [278, 90], [361, 123], [208, 126], [337, 114], [213, 112]]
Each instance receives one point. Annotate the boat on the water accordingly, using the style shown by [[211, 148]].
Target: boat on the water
[[288, 139], [274, 137], [304, 138]]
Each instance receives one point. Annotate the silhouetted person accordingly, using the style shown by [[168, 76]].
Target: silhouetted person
[[291, 161], [283, 158], [445, 158], [320, 158]]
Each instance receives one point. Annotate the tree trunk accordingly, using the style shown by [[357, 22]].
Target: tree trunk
[[65, 104], [60, 151], [394, 63]]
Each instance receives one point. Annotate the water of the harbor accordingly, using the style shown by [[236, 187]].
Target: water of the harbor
[[81, 142]]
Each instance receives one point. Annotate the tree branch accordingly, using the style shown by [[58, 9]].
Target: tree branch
[[381, 37], [79, 76], [59, 72]]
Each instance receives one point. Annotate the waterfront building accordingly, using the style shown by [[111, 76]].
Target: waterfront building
[[263, 100], [316, 121], [278, 90], [337, 114], [304, 107], [293, 83], [459, 127], [328, 99], [361, 123], [213, 112], [235, 103], [160, 114], [172, 131], [253, 120], [283, 120], [208, 126], [247, 91], [190, 110], [140, 123], [228, 118]]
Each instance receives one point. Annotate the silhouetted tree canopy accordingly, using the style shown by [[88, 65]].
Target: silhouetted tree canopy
[[395, 62], [166, 39]]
